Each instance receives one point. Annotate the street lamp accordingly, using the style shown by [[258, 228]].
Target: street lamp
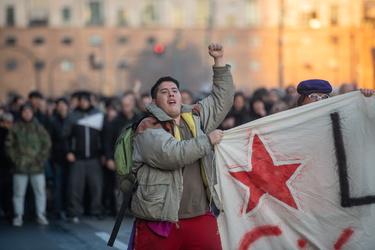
[[314, 22]]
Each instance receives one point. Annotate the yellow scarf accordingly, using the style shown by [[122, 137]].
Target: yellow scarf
[[188, 118]]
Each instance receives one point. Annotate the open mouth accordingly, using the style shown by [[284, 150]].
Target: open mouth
[[171, 102]]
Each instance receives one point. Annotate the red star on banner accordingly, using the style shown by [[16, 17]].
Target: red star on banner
[[266, 178]]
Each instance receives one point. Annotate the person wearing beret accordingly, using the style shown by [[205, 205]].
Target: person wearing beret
[[316, 89]]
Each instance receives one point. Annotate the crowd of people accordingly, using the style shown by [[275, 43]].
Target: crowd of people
[[65, 148]]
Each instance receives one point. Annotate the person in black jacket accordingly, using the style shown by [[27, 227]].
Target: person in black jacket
[[58, 158], [238, 114], [6, 181], [82, 135]]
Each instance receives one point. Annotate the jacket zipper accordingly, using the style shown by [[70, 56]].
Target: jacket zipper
[[87, 140]]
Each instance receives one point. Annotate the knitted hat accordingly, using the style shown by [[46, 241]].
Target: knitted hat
[[314, 86]]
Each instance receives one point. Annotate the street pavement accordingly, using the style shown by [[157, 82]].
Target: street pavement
[[89, 234]]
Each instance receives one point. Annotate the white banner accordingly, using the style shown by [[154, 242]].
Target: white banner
[[301, 179]]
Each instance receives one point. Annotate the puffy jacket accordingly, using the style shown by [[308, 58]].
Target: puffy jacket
[[28, 146], [158, 156]]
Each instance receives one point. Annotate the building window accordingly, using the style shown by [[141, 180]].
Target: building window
[[178, 18], [38, 40], [10, 16], [122, 40], [202, 13], [66, 15], [149, 16], [369, 11], [310, 19], [334, 39], [95, 13], [95, 40], [66, 40], [334, 15], [122, 17], [11, 41], [66, 66], [252, 13], [38, 12], [314, 22], [11, 65]]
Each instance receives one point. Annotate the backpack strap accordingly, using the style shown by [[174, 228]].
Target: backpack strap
[[196, 111], [119, 219], [163, 124]]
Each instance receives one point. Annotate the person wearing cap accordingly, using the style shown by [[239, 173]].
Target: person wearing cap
[[28, 144], [313, 90], [82, 138], [172, 159]]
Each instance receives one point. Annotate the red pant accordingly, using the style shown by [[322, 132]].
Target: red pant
[[195, 233]]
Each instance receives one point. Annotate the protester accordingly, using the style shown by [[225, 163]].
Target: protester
[[82, 135], [257, 108], [262, 94], [111, 131], [36, 100], [28, 145], [279, 106], [187, 97], [143, 101], [274, 95], [291, 96], [58, 160], [346, 88], [175, 171], [313, 90], [6, 181], [238, 114], [15, 105]]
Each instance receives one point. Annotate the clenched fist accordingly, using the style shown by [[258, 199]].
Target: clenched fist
[[216, 50]]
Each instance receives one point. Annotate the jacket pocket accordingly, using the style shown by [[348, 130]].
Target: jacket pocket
[[152, 192]]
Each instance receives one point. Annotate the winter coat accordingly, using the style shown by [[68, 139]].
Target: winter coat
[[82, 133], [159, 156], [28, 146]]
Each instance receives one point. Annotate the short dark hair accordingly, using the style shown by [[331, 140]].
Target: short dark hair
[[62, 99], [83, 94], [154, 88], [35, 94]]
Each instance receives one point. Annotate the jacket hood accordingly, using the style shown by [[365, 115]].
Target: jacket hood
[[161, 115]]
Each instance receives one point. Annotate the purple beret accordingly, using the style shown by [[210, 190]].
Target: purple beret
[[314, 86]]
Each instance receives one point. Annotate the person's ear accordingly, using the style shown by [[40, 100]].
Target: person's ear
[[153, 102]]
